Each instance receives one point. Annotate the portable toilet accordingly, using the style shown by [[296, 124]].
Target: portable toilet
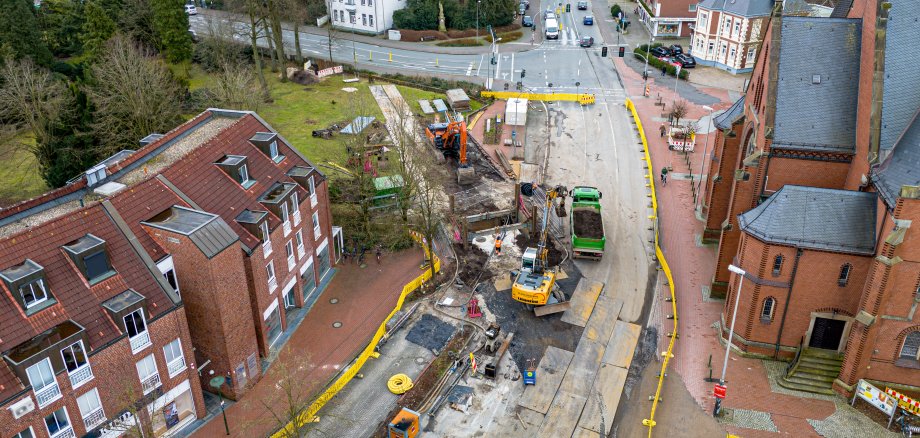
[[404, 425]]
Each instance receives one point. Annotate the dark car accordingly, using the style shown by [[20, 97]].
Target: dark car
[[582, 5], [527, 21], [660, 52], [588, 21], [586, 41], [676, 49], [685, 61], [526, 4]]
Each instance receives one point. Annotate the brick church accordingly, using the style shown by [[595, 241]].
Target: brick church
[[812, 191]]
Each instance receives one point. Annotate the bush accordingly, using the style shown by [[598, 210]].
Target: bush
[[657, 64], [211, 53], [506, 37], [615, 10], [463, 42]]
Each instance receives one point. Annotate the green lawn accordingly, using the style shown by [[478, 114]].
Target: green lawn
[[413, 95], [19, 176]]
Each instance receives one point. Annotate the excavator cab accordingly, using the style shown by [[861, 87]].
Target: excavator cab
[[450, 138]]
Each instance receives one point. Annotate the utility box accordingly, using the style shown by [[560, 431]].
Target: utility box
[[458, 100], [516, 112], [404, 425]]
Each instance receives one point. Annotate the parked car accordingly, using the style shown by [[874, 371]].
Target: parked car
[[676, 49], [685, 60], [589, 20], [521, 9], [527, 21], [191, 10], [526, 4], [193, 35], [582, 5], [586, 41], [660, 52]]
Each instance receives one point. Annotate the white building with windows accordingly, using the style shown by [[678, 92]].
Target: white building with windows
[[727, 33], [364, 16]]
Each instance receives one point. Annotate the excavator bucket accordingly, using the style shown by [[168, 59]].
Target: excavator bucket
[[552, 308]]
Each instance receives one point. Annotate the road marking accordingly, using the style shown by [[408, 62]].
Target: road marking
[[498, 65], [478, 69], [469, 70], [578, 72], [512, 66]]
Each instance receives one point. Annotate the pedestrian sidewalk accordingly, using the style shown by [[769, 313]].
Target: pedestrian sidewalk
[[756, 406], [358, 299]]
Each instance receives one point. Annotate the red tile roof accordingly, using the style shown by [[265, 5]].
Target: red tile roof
[[76, 300], [141, 202]]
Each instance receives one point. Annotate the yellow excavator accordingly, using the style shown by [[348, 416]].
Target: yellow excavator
[[535, 282]]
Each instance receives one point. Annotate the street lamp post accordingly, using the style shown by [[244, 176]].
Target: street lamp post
[[216, 383], [478, 2], [699, 204], [651, 39], [731, 333]]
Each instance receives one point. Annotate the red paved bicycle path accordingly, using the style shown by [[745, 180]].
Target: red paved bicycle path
[[316, 350], [692, 267]]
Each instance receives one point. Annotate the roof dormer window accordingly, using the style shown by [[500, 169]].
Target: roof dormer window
[[237, 167], [90, 256], [267, 142], [28, 286]]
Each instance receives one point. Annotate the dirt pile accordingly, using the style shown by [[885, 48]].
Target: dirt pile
[[472, 261], [553, 257], [588, 224]]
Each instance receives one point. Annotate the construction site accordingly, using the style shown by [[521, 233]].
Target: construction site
[[531, 329]]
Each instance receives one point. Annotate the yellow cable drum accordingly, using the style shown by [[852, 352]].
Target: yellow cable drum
[[399, 384]]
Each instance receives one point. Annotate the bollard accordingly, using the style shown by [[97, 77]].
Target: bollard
[[370, 55], [391, 56], [436, 62]]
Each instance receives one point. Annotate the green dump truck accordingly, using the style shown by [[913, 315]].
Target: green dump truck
[[587, 223]]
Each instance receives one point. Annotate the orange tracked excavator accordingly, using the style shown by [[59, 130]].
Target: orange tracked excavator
[[450, 139]]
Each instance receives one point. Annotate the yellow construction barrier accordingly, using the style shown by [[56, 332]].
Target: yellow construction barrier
[[309, 415], [650, 421], [582, 98]]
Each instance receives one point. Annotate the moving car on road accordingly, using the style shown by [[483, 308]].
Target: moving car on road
[[191, 10], [582, 5], [552, 29], [685, 61], [527, 21], [586, 41], [589, 20]]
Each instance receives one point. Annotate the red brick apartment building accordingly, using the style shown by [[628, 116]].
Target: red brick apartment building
[[813, 189], [126, 291]]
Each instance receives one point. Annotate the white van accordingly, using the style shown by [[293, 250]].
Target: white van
[[552, 29]]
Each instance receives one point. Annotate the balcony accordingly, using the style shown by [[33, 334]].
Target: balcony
[[287, 227], [140, 342], [296, 217], [66, 432], [150, 383], [177, 365], [48, 394], [94, 419], [80, 376]]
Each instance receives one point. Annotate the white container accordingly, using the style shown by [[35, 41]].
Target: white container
[[516, 112]]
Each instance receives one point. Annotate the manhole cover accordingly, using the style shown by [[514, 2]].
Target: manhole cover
[[337, 324], [334, 301], [480, 239], [420, 360]]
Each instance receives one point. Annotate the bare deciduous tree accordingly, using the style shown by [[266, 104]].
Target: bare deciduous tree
[[236, 87], [134, 94], [678, 110], [31, 98]]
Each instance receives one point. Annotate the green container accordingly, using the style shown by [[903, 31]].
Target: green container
[[587, 198]]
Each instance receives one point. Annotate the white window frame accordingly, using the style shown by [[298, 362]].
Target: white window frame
[[266, 238], [28, 429], [301, 250], [273, 150], [370, 18], [152, 380], [750, 53], [66, 432], [272, 278], [95, 416], [317, 229], [291, 258], [313, 198], [295, 206], [736, 29], [81, 374], [49, 391], [166, 267], [176, 364], [31, 285], [285, 218], [141, 340], [916, 354], [244, 174]]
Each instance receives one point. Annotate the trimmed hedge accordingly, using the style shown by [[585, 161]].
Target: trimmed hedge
[[615, 10], [657, 63], [463, 42]]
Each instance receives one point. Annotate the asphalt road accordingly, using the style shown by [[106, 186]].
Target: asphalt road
[[550, 65]]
